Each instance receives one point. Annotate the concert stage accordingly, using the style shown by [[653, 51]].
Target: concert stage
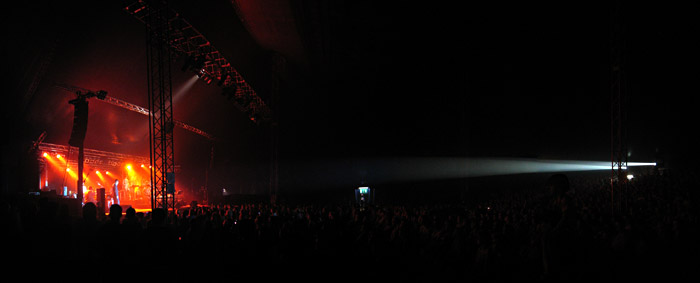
[[58, 176]]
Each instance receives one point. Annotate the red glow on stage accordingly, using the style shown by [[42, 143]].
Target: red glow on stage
[[46, 154], [99, 175]]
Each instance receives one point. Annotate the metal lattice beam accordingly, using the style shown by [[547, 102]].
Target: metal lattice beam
[[93, 157], [618, 112], [185, 40], [160, 104], [135, 108]]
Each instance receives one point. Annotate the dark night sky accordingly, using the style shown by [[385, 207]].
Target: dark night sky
[[506, 80]]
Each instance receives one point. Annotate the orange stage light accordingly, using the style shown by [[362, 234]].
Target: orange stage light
[[58, 156], [128, 167], [74, 175], [45, 154]]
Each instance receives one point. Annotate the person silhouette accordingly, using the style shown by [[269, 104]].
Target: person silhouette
[[115, 192]]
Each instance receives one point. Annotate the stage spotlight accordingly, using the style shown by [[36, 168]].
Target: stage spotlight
[[97, 172], [142, 166], [630, 177], [107, 172], [58, 156], [207, 79], [46, 154], [128, 167], [67, 169]]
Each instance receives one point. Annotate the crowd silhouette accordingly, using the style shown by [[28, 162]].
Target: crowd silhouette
[[564, 232]]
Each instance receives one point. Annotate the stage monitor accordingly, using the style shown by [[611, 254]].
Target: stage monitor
[[101, 201]]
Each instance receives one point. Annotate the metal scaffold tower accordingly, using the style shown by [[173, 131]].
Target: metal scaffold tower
[[204, 59], [185, 41], [160, 102], [618, 112]]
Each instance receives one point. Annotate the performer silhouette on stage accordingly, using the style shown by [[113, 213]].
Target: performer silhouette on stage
[[115, 191]]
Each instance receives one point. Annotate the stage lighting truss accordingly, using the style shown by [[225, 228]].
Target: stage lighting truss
[[102, 95], [187, 42], [95, 158]]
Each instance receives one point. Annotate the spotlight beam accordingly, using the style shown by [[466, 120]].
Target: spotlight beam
[[350, 172]]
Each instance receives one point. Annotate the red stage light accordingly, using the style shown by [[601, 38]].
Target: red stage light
[[58, 156], [45, 154], [142, 166], [97, 172]]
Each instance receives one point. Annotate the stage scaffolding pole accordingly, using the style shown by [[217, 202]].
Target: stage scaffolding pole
[[618, 111], [160, 104]]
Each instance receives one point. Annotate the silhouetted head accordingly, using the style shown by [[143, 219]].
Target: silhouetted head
[[558, 184], [158, 216], [89, 211], [131, 213], [115, 212]]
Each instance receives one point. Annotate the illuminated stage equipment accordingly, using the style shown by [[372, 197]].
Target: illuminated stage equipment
[[160, 102], [94, 159], [208, 62], [202, 58], [135, 108], [101, 201], [80, 120]]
